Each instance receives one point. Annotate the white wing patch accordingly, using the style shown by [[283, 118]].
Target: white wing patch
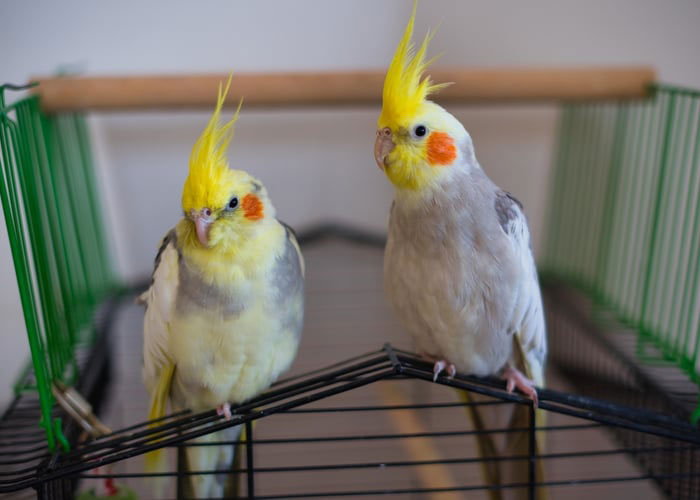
[[160, 302], [295, 243], [511, 217], [292, 236], [528, 316]]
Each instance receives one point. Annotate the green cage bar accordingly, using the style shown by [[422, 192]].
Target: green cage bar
[[624, 216], [57, 237]]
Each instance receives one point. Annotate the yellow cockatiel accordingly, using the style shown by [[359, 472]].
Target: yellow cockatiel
[[225, 308], [458, 268]]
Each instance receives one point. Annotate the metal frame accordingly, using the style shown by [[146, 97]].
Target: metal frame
[[384, 364]]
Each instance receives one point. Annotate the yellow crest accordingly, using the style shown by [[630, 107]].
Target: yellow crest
[[209, 180], [405, 89]]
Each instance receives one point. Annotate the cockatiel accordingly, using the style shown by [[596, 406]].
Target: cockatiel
[[225, 308], [458, 267]]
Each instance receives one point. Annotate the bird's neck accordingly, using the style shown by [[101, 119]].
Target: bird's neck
[[227, 264], [439, 194]]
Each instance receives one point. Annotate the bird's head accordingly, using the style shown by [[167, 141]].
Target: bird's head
[[222, 205], [418, 141]]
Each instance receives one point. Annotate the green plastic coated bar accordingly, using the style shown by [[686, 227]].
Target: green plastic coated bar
[[624, 215], [50, 200]]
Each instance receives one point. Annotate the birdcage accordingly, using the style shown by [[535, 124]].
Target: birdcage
[[619, 278]]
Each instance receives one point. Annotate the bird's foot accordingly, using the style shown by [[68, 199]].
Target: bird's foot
[[442, 365], [225, 410], [515, 378]]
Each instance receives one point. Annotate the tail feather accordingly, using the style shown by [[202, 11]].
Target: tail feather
[[518, 443], [486, 445], [209, 458], [156, 461], [194, 458], [235, 487]]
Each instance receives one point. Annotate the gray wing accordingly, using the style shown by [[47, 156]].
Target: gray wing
[[159, 300], [527, 322], [292, 240]]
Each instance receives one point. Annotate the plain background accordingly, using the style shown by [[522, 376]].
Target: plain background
[[317, 165]]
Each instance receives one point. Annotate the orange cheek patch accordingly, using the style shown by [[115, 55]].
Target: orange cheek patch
[[252, 207], [441, 149]]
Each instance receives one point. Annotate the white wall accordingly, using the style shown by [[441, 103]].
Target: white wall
[[317, 165]]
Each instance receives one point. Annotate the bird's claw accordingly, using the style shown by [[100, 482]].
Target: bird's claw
[[514, 378], [442, 365], [225, 410]]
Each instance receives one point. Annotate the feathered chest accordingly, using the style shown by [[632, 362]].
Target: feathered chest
[[451, 262], [437, 260], [196, 293], [225, 286]]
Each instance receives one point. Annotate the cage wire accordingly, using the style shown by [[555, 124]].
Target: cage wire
[[56, 235], [663, 438], [622, 256], [619, 280], [623, 223]]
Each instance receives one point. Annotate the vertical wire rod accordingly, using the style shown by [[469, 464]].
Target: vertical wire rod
[[249, 459]]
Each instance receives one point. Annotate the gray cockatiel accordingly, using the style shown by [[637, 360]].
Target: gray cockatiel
[[458, 267], [225, 307]]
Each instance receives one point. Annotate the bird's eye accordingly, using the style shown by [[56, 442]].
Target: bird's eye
[[233, 204], [420, 131]]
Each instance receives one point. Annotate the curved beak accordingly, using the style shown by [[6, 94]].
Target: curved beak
[[202, 220], [383, 145]]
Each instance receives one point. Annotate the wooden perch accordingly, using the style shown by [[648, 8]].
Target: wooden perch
[[348, 88]]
